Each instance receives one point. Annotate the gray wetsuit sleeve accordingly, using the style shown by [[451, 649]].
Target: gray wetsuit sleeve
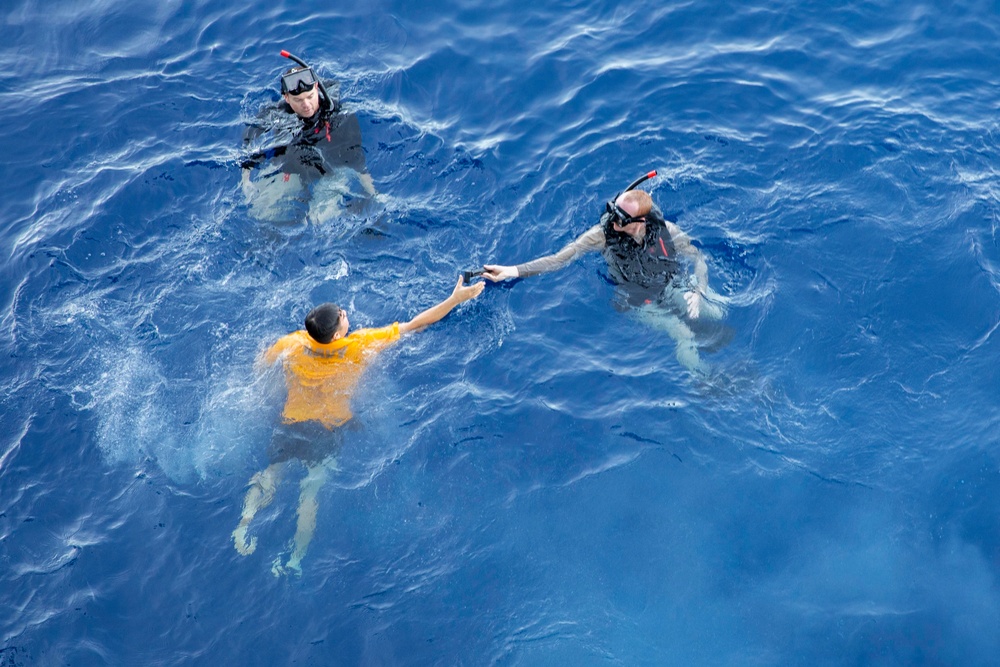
[[590, 240]]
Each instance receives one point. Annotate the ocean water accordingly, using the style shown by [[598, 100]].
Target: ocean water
[[538, 481]]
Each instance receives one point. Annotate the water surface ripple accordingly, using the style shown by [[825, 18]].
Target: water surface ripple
[[537, 481]]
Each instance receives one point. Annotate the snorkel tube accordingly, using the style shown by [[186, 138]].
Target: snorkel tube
[[322, 88], [615, 212], [641, 179]]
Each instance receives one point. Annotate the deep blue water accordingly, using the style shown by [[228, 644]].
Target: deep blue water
[[538, 481]]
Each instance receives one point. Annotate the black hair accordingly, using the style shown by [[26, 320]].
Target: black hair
[[322, 322]]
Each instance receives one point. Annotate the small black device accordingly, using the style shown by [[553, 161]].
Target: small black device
[[469, 275]]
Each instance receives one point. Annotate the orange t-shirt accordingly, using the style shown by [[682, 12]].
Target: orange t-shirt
[[321, 378]]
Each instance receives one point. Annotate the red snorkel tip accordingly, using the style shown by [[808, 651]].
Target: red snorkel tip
[[639, 180], [285, 54]]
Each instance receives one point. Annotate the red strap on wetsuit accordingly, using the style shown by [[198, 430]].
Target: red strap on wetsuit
[[663, 247], [316, 131]]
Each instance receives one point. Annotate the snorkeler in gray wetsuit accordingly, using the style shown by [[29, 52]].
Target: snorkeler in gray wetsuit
[[643, 252], [309, 139]]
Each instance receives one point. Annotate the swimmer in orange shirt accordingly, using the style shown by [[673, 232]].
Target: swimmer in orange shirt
[[322, 367]]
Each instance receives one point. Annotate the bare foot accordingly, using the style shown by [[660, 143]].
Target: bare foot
[[291, 567], [240, 538]]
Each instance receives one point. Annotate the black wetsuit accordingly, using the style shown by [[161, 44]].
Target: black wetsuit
[[310, 147], [641, 270]]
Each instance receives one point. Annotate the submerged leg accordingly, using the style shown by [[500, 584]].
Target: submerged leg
[[279, 198], [686, 348], [314, 480], [330, 195], [713, 305], [259, 495]]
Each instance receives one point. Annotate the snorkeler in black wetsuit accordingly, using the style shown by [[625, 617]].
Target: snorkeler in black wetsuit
[[643, 253], [306, 137]]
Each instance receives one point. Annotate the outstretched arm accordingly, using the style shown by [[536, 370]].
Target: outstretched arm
[[460, 294], [592, 239]]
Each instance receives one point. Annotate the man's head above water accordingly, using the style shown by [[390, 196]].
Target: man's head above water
[[300, 88], [326, 322]]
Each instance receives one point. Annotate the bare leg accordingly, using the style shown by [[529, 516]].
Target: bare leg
[[314, 480], [259, 495]]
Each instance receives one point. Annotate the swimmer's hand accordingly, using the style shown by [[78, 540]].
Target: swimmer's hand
[[496, 272], [460, 294], [463, 292], [693, 299]]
